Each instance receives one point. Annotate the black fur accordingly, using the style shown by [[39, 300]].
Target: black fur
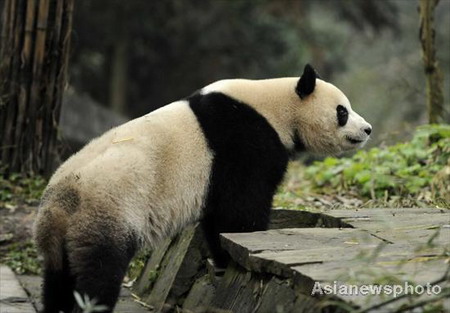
[[58, 288], [307, 82], [102, 265], [103, 271], [342, 115], [249, 163]]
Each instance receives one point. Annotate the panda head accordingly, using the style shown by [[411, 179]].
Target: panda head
[[324, 120]]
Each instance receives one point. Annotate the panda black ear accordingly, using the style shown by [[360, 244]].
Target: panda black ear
[[307, 82]]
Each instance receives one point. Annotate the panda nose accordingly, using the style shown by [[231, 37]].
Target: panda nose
[[368, 130]]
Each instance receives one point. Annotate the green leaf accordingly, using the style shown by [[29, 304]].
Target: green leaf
[[363, 177]]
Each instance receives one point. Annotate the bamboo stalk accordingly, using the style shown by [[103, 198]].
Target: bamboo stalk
[[14, 67], [60, 86], [433, 75], [5, 27], [54, 55], [34, 51], [24, 85], [37, 85], [4, 66]]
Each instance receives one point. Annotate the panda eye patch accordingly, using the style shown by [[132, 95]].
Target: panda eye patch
[[342, 115]]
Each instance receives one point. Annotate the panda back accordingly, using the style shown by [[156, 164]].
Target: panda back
[[153, 169]]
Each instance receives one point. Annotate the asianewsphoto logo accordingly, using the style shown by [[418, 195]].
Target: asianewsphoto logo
[[339, 289]]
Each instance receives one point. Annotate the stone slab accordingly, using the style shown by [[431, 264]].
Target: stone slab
[[396, 245], [13, 298], [357, 273], [399, 225], [282, 218], [374, 218], [33, 286], [242, 246]]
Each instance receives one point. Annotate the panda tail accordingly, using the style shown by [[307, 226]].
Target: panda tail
[[59, 283]]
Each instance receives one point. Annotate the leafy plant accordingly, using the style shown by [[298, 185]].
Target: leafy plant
[[88, 305], [23, 258], [20, 188], [405, 169], [137, 264], [418, 170]]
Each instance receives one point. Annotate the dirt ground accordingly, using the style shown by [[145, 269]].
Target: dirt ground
[[16, 224]]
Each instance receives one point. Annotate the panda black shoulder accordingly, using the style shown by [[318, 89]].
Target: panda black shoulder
[[249, 163], [234, 127]]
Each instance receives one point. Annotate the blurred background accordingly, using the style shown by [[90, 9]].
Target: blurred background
[[135, 56], [113, 60]]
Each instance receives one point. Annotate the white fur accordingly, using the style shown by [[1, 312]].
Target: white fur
[[155, 169]]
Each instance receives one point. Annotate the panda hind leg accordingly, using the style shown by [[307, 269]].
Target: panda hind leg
[[99, 260], [58, 288]]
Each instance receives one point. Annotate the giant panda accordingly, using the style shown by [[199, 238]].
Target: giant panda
[[216, 156]]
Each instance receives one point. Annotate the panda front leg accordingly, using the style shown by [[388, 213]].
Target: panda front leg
[[248, 215], [212, 235]]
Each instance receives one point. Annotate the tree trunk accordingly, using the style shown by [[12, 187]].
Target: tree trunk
[[34, 55], [434, 79], [119, 62]]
